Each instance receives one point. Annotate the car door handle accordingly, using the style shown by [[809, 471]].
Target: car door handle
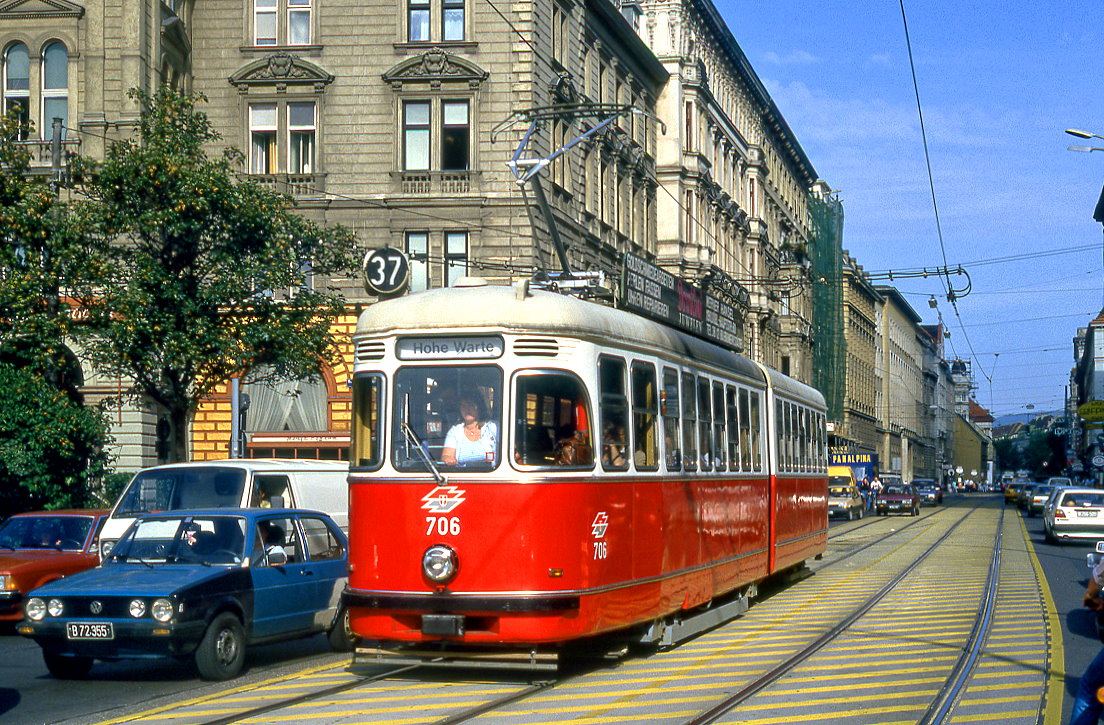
[[308, 572]]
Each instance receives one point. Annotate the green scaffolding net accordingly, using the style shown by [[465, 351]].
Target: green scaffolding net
[[829, 343]]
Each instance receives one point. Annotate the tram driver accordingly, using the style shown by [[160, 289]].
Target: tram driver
[[473, 439]]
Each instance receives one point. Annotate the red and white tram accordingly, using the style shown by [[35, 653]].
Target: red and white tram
[[614, 474]]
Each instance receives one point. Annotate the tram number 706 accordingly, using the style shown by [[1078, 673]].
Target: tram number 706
[[600, 550], [442, 525]]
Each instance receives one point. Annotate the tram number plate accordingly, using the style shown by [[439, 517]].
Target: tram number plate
[[89, 630], [1086, 514]]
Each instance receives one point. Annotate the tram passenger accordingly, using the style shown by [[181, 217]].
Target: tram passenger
[[1087, 703], [613, 446], [473, 439]]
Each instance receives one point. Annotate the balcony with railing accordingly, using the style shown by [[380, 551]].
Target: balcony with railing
[[299, 186], [42, 156], [435, 182]]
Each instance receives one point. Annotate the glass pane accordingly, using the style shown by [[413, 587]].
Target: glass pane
[[417, 150], [302, 152], [17, 68], [552, 419], [453, 24], [55, 74], [367, 414], [262, 117], [54, 108], [456, 243], [416, 114], [264, 152], [299, 27], [455, 113], [450, 414], [301, 115], [454, 148], [265, 30], [264, 4], [419, 24]]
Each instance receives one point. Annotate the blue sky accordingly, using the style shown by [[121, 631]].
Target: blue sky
[[998, 82]]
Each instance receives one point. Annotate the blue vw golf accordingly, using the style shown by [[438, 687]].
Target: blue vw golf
[[199, 584]]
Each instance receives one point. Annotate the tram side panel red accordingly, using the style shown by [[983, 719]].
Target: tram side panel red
[[801, 519]]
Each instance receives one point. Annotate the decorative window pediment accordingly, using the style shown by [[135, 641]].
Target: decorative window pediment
[[40, 9], [433, 67], [281, 69]]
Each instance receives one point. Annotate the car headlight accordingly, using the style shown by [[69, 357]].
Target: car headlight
[[55, 607], [35, 609], [440, 564], [137, 608], [105, 548], [162, 610]]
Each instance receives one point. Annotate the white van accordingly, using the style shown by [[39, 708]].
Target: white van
[[231, 483]]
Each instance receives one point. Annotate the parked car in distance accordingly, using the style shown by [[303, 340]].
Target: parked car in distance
[[845, 500], [197, 584], [928, 491], [897, 498], [1039, 495], [41, 546], [1059, 481], [1075, 513]]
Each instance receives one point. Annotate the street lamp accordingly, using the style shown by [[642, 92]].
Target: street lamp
[[1083, 134]]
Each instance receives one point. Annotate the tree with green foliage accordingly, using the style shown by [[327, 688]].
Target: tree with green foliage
[[52, 448], [194, 257]]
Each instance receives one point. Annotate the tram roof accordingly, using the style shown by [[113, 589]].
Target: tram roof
[[498, 307]]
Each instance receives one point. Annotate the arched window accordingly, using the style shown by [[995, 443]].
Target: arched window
[[17, 84], [55, 87]]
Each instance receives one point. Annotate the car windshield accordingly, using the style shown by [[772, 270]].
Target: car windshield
[[839, 491], [170, 489], [183, 540], [839, 481], [895, 490], [1083, 500], [65, 533]]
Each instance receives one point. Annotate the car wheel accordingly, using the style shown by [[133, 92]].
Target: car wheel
[[341, 635], [221, 652], [67, 668], [862, 514]]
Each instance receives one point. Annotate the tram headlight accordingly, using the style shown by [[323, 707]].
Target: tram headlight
[[440, 564]]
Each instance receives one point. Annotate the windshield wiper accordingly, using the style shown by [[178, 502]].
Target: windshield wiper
[[412, 438]]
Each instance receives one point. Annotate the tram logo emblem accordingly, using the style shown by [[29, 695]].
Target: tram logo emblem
[[601, 523], [443, 499]]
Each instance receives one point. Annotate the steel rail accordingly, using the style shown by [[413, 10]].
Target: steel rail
[[944, 701], [723, 707]]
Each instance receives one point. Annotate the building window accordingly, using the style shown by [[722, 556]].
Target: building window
[[296, 28], [283, 138], [456, 256], [417, 16], [450, 122], [452, 20], [262, 135], [417, 250], [416, 135], [455, 135], [301, 134], [17, 85], [55, 88]]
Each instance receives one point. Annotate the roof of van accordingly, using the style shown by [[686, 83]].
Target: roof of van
[[264, 464]]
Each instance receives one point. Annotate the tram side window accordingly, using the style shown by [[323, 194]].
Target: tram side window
[[552, 421], [367, 438], [705, 425], [670, 413], [644, 402], [689, 424], [719, 427], [745, 431], [782, 435], [732, 420], [614, 412], [449, 416], [756, 437]]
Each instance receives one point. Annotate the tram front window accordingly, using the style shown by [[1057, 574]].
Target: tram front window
[[448, 415]]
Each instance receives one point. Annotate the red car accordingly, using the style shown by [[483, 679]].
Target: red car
[[42, 546], [897, 498]]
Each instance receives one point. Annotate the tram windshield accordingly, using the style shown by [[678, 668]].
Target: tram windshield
[[447, 416]]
